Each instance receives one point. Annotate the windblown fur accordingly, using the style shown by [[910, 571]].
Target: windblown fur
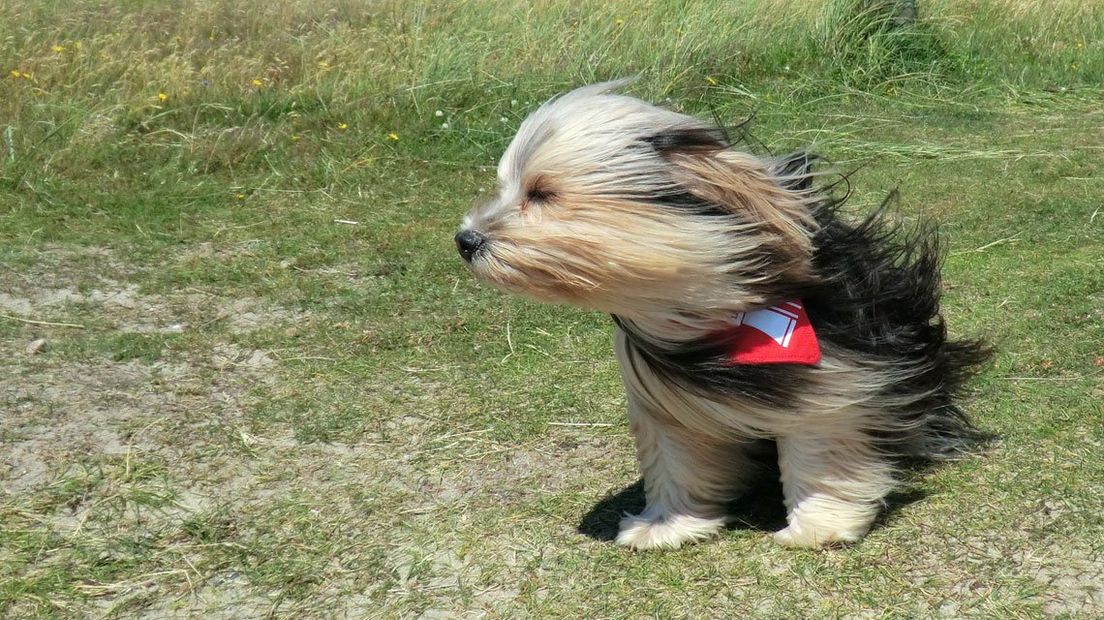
[[609, 203]]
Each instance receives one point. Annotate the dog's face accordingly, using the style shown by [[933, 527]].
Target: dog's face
[[607, 202]]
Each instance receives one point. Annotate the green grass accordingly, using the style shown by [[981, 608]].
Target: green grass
[[269, 412]]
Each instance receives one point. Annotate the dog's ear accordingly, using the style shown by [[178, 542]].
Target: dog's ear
[[753, 188], [688, 140], [776, 193]]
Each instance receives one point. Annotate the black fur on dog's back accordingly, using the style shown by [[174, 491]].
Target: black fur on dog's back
[[878, 295], [875, 301]]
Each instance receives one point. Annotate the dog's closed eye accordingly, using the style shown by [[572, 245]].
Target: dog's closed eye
[[539, 194]]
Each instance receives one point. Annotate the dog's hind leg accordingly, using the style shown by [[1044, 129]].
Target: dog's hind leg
[[833, 483]]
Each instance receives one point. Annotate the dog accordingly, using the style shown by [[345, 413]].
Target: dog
[[746, 308]]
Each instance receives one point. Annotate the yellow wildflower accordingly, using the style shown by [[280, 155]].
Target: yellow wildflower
[[258, 82], [58, 49], [619, 21], [393, 136], [343, 126], [162, 97], [15, 73]]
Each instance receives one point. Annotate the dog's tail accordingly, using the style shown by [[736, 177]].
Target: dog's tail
[[945, 430], [795, 171]]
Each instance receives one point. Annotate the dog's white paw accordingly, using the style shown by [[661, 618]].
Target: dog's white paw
[[797, 535], [665, 531]]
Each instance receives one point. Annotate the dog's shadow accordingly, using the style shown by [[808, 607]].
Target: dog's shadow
[[759, 509]]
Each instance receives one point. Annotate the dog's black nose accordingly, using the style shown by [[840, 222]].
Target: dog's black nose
[[469, 242]]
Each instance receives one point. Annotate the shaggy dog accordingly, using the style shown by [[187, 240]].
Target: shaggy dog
[[746, 309]]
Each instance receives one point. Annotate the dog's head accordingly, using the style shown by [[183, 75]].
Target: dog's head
[[607, 202]]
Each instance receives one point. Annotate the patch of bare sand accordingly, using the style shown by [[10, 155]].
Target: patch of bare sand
[[131, 311], [93, 420], [57, 413], [65, 418], [94, 282]]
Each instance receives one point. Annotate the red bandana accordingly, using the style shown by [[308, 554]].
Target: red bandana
[[780, 334]]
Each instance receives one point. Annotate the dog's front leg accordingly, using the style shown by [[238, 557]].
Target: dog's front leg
[[686, 482], [834, 485], [689, 472]]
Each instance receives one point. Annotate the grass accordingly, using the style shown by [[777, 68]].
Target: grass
[[271, 412]]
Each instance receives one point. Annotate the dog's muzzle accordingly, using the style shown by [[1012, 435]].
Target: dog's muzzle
[[468, 242]]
